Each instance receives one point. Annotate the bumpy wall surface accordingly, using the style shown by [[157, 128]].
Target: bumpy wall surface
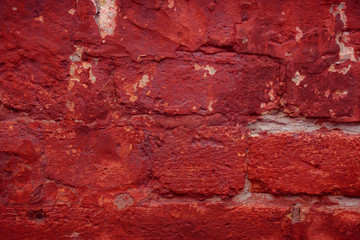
[[180, 119]]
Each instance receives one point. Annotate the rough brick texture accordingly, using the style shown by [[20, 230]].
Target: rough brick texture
[[180, 119]]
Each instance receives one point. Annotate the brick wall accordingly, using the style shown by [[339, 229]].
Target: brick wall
[[179, 119]]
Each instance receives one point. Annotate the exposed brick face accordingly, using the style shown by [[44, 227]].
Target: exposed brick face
[[179, 119]]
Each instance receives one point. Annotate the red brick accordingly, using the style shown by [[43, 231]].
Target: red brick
[[275, 32], [52, 222], [36, 72], [322, 74], [84, 157], [323, 223], [220, 83], [203, 161], [20, 163], [311, 163], [206, 221]]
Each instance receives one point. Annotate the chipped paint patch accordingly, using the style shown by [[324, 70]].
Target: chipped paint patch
[[76, 56], [297, 79], [71, 11], [144, 81], [39, 19], [77, 66], [299, 35], [342, 71], [345, 53], [92, 76], [171, 3], [123, 201], [340, 9], [211, 70], [106, 12], [339, 94], [210, 106]]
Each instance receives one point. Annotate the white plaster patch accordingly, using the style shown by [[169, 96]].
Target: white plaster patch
[[299, 35], [297, 79], [106, 15], [123, 201], [208, 68]]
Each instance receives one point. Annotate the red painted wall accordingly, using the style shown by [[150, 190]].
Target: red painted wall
[[179, 119]]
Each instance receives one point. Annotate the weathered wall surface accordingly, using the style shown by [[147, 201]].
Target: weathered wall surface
[[179, 119]]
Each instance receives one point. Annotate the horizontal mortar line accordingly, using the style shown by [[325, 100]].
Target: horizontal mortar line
[[280, 123], [246, 198], [270, 123]]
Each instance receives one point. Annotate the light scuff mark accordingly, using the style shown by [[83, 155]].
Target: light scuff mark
[[123, 201], [106, 12]]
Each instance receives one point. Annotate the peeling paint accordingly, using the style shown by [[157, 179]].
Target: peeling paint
[[345, 53], [106, 12], [297, 79], [76, 56], [77, 67], [340, 9], [342, 71], [208, 68]]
